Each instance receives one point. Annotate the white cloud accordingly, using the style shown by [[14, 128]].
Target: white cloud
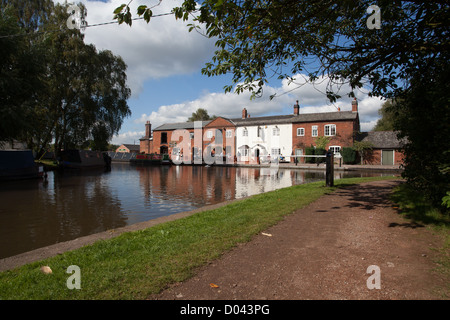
[[161, 48], [130, 137], [230, 105]]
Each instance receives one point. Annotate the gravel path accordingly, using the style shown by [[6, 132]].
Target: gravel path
[[323, 251]]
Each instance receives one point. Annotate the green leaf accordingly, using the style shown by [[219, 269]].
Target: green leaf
[[141, 9], [147, 15], [119, 9]]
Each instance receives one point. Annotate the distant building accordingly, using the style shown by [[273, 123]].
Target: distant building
[[146, 142], [129, 148], [261, 139], [386, 147]]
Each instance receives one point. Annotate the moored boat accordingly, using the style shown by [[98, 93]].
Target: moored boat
[[18, 164], [78, 159]]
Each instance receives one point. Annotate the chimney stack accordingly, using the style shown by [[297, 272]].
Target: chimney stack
[[296, 109], [244, 113], [354, 105], [148, 129]]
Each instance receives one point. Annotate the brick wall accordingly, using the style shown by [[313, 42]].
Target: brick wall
[[343, 137]]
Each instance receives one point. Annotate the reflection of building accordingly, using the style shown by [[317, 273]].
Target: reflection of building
[[188, 183]]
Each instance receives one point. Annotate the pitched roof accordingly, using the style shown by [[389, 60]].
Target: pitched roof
[[263, 120], [179, 125], [325, 116], [255, 121], [381, 139], [132, 146]]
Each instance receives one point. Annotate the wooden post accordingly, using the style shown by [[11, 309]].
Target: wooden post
[[329, 169]]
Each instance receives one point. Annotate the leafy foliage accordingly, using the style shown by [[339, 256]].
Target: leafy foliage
[[423, 117], [199, 115], [386, 122], [68, 89], [256, 40], [364, 148], [348, 155]]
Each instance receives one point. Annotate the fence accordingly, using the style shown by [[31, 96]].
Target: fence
[[121, 156]]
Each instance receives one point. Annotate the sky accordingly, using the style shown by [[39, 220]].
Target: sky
[[164, 62]]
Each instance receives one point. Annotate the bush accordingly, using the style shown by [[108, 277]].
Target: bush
[[348, 155], [309, 152], [320, 152]]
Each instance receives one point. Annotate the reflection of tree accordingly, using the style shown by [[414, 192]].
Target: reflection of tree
[[68, 207]]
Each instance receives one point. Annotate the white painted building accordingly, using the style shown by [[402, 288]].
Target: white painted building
[[263, 139]]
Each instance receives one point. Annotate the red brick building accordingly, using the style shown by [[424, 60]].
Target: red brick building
[[386, 148], [206, 140], [146, 142], [219, 140], [182, 141], [339, 127]]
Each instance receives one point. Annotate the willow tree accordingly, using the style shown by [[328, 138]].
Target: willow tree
[[81, 91]]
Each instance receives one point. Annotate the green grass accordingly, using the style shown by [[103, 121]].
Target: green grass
[[137, 264]]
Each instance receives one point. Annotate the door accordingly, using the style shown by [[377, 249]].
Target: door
[[298, 152], [387, 157]]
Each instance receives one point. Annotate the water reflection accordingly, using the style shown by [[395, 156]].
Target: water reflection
[[34, 214]]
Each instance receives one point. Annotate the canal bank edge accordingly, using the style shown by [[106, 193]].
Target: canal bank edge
[[59, 248]]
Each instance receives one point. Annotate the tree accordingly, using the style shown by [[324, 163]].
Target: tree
[[81, 91], [422, 117], [386, 122], [406, 56], [20, 77], [199, 115], [256, 39], [364, 149]]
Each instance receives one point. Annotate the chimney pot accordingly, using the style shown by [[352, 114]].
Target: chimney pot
[[148, 129], [296, 108], [354, 105], [244, 113]]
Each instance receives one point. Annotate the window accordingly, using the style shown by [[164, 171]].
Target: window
[[209, 134], [335, 149], [191, 135], [245, 132], [314, 131], [276, 131], [275, 152], [229, 134], [300, 132], [330, 130], [259, 133], [163, 137]]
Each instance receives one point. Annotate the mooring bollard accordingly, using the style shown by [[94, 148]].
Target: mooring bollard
[[329, 169]]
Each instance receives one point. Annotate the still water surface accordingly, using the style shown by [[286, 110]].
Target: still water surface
[[69, 205]]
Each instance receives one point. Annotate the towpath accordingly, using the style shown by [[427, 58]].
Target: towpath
[[340, 247]]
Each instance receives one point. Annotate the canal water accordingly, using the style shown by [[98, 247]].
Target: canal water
[[37, 213]]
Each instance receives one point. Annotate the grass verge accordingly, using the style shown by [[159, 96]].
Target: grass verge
[[137, 264]]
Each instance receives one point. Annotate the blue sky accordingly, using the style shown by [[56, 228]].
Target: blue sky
[[164, 73]]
